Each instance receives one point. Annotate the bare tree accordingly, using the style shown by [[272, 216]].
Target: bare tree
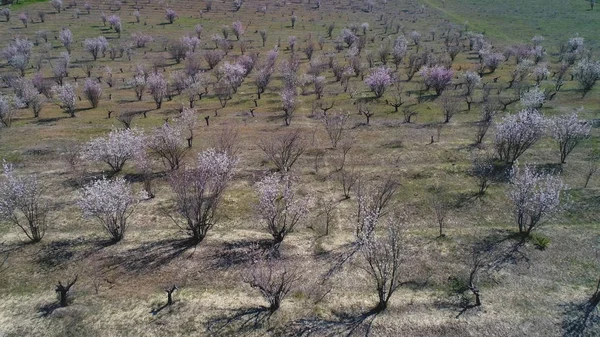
[[366, 110], [199, 190], [487, 117], [227, 141], [449, 105], [348, 179], [168, 143], [440, 207], [372, 201], [334, 126], [384, 261], [483, 169], [284, 149], [274, 280]]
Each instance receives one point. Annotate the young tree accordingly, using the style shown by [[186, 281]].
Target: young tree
[[111, 202], [66, 37], [379, 80], [167, 142], [66, 96], [199, 190], [96, 46], [274, 280], [188, 121], [138, 83], [283, 149], [22, 202], [279, 207], [440, 207], [157, 86], [92, 91], [516, 133], [535, 197], [568, 131], [24, 19], [383, 262], [115, 149]]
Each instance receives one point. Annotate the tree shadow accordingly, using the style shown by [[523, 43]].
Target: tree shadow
[[56, 253], [239, 252], [47, 309], [342, 325], [150, 256], [238, 322], [43, 121], [582, 319], [339, 258]]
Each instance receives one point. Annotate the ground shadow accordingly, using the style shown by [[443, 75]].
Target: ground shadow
[[343, 324], [149, 256], [239, 252], [238, 322], [56, 253], [47, 309], [582, 319]]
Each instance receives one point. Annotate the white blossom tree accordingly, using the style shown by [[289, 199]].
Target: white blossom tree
[[115, 149], [535, 197], [533, 99], [587, 72], [7, 110], [57, 4], [518, 132], [23, 204], [111, 202], [66, 96], [568, 131], [92, 91], [66, 37], [18, 54], [157, 86], [95, 46], [279, 206], [199, 190]]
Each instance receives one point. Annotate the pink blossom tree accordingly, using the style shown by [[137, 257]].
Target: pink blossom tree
[[111, 202], [279, 206], [170, 15], [115, 150], [199, 190], [568, 131], [57, 4], [22, 203], [518, 132], [535, 197], [379, 80], [436, 77]]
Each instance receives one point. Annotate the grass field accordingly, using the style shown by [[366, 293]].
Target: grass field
[[120, 287]]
